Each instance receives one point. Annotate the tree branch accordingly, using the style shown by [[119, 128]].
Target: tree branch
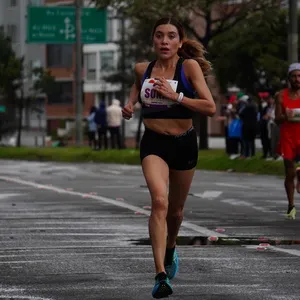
[[222, 28], [198, 12], [225, 17], [191, 30], [237, 14]]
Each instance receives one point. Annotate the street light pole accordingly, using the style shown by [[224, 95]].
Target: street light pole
[[78, 75], [123, 70], [293, 32]]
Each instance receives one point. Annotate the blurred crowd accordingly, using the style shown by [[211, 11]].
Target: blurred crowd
[[245, 120], [104, 126]]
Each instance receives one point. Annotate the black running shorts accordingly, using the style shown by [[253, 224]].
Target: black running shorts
[[180, 152]]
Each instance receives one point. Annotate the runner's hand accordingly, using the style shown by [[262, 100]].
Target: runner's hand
[[163, 87], [127, 111]]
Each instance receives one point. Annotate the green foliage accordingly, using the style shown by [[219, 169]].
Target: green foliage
[[12, 77], [12, 71], [247, 35], [258, 43], [44, 82], [10, 67], [216, 15]]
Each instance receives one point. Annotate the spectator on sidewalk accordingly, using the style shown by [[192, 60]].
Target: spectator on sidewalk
[[101, 121], [263, 128], [226, 117], [114, 120], [92, 127], [234, 135], [273, 128], [248, 116]]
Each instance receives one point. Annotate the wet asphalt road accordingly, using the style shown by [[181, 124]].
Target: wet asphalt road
[[79, 231]]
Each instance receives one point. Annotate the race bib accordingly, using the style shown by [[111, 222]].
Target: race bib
[[296, 117], [152, 98]]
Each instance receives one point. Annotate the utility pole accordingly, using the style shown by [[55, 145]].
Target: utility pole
[[78, 74], [293, 32], [123, 70], [21, 106]]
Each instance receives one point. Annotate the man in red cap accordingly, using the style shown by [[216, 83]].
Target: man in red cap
[[287, 114]]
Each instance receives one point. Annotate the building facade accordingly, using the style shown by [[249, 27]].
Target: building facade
[[99, 61]]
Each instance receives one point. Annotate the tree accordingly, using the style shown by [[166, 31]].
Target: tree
[[10, 71], [43, 83], [12, 77], [258, 44], [204, 20]]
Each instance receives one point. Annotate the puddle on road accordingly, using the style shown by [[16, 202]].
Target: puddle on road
[[221, 241]]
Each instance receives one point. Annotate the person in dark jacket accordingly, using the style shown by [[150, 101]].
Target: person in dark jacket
[[263, 126], [101, 121], [92, 127], [248, 116]]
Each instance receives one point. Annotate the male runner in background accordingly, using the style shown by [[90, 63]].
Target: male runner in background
[[287, 114]]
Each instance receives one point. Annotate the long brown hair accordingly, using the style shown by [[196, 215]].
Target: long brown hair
[[190, 48]]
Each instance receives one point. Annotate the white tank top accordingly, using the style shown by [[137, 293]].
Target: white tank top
[[152, 98]]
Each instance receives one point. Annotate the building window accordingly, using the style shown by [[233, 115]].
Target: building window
[[62, 93], [107, 62], [59, 56], [12, 3], [90, 65], [12, 33]]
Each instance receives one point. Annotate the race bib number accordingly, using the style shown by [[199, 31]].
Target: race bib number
[[296, 117], [151, 97]]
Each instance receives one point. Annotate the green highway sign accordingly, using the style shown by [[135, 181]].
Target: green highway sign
[[56, 25]]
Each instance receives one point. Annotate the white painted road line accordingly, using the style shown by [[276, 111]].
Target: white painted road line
[[232, 185], [17, 296], [4, 196], [276, 249], [111, 172], [73, 234], [23, 262], [149, 252], [9, 290], [14, 188], [202, 230], [208, 194], [178, 285], [236, 202], [116, 186]]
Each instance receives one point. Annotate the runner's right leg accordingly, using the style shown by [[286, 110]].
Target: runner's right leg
[[289, 185]]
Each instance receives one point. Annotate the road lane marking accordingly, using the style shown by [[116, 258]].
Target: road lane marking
[[202, 230], [276, 249], [232, 185], [237, 202], [5, 196], [207, 194]]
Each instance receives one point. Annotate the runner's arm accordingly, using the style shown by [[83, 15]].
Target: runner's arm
[[279, 115], [136, 87]]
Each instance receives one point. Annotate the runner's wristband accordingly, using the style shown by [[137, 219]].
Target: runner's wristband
[[180, 97]]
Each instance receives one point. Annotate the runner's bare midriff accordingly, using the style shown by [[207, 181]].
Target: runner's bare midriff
[[169, 126]]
